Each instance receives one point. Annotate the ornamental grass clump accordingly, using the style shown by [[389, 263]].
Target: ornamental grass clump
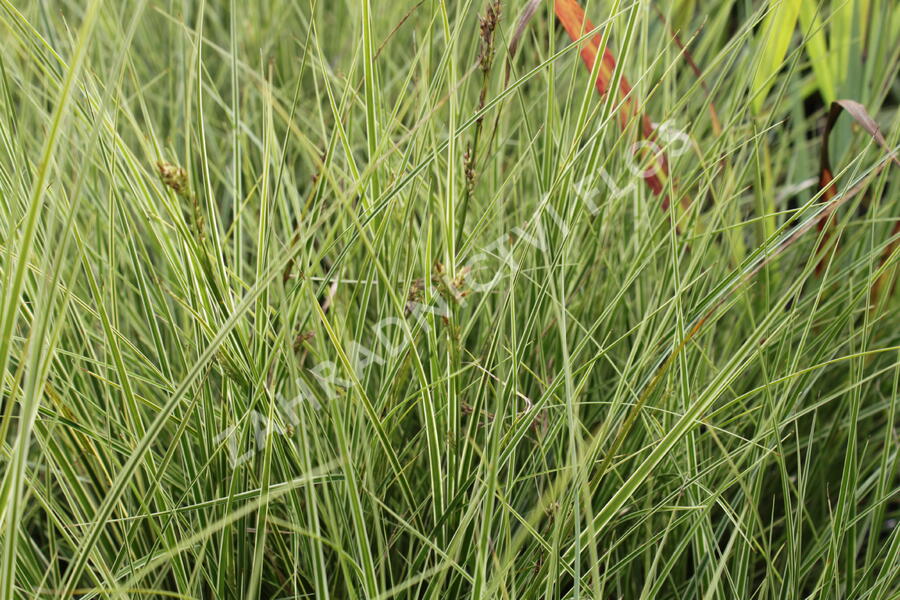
[[514, 299]]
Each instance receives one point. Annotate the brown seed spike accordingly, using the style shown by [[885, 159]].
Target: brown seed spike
[[174, 177]]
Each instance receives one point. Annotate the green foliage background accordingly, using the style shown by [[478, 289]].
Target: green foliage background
[[652, 404]]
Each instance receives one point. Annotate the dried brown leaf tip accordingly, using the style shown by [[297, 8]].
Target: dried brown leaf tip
[[174, 177]]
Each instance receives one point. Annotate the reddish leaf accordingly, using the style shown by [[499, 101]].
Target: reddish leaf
[[826, 177], [573, 19]]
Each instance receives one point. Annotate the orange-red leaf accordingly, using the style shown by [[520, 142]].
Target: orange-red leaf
[[826, 184], [576, 24]]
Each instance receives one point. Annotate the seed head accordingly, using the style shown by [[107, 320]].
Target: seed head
[[469, 169], [489, 23], [174, 177]]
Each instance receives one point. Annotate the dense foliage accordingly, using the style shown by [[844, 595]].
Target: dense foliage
[[419, 299]]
